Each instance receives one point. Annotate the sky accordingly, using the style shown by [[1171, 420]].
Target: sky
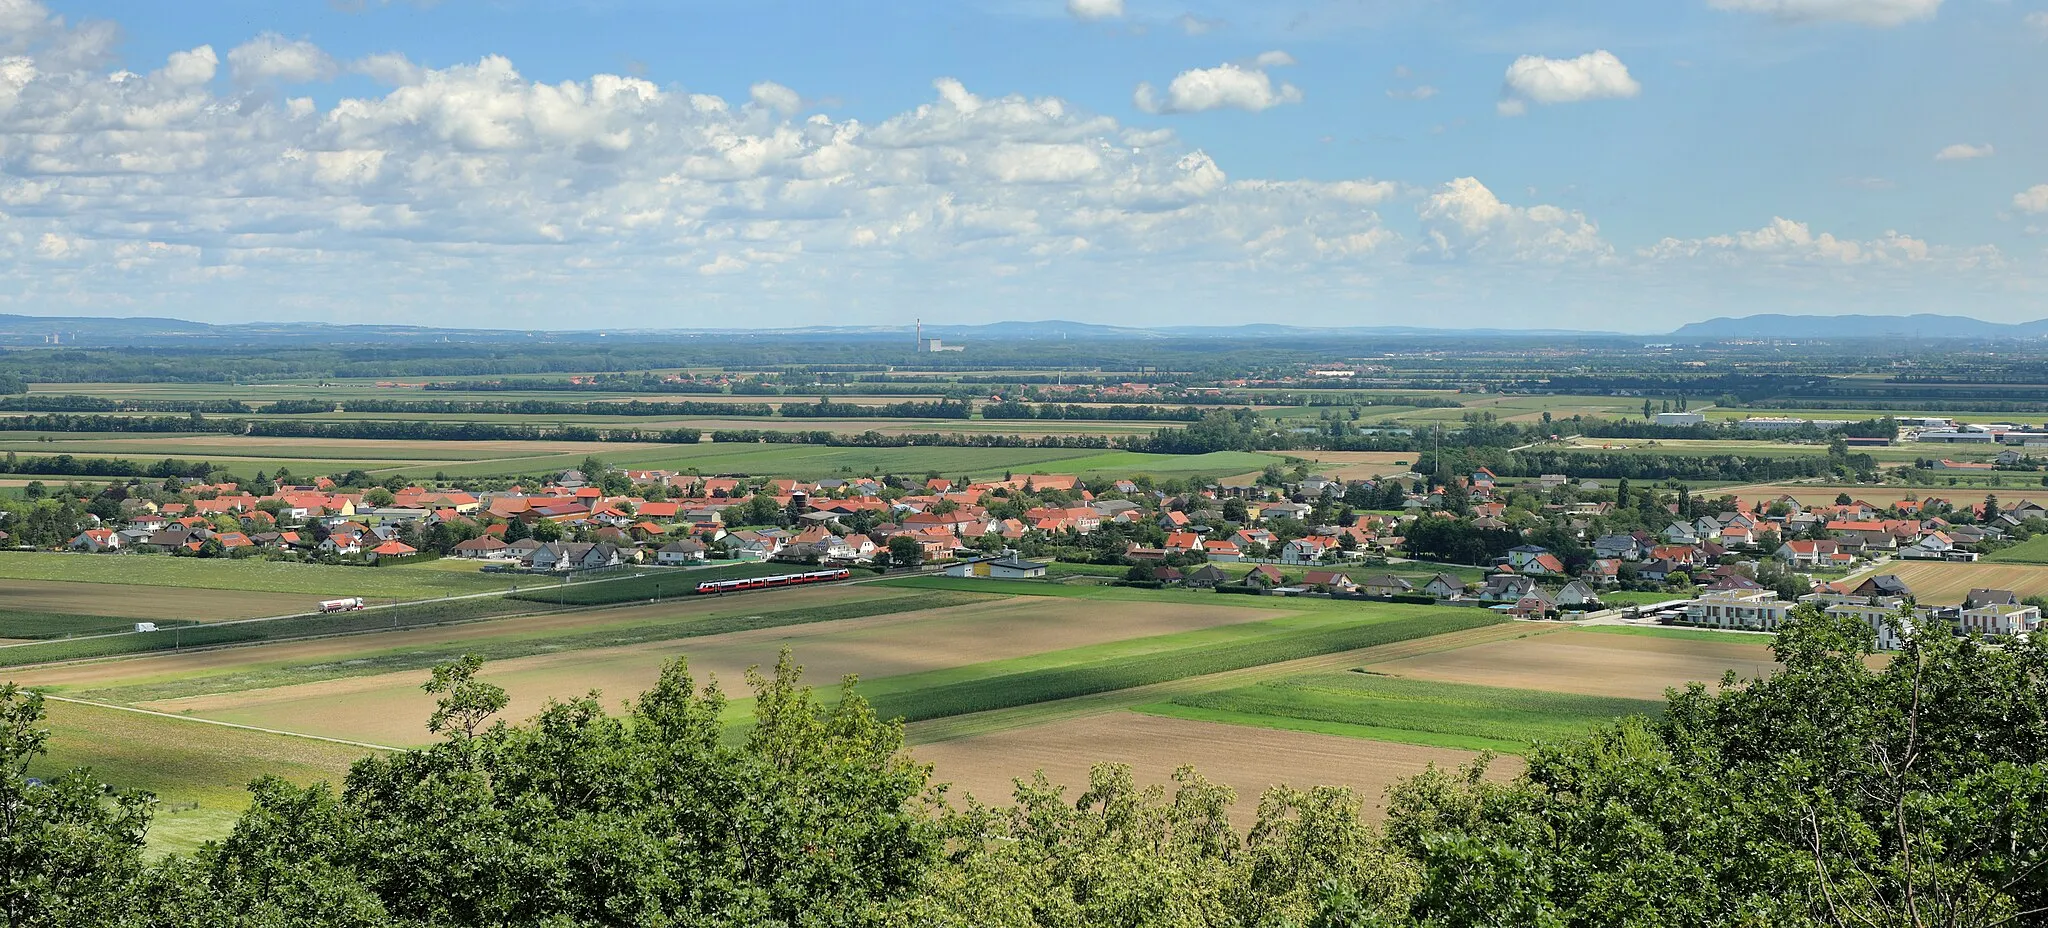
[[591, 164]]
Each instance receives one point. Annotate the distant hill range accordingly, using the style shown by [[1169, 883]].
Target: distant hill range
[[1923, 325], [106, 332]]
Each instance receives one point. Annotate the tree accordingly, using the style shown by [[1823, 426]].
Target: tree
[[465, 702], [379, 496], [1830, 793], [70, 847], [815, 817], [904, 551]]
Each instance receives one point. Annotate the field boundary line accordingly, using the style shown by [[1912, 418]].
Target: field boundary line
[[236, 725]]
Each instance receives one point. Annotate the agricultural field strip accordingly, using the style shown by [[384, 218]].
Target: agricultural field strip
[[964, 726], [1454, 715], [397, 582], [205, 721], [50, 625], [518, 643]]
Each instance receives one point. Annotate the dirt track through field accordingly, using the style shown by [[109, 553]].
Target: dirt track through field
[[391, 709], [1632, 666], [1247, 759], [145, 602]]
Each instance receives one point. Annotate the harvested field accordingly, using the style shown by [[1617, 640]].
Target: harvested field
[[391, 709], [1944, 584], [145, 602], [1249, 759], [1628, 666]]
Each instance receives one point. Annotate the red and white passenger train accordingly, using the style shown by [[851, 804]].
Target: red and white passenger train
[[780, 580]]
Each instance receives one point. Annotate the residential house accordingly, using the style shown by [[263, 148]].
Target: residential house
[[1310, 550], [1330, 581], [1534, 604], [487, 547], [1578, 594], [684, 551], [1807, 553], [1521, 556], [394, 548], [1544, 565], [1222, 551], [96, 540], [1618, 547], [1444, 586], [1265, 575], [1386, 585], [1505, 588], [1205, 577]]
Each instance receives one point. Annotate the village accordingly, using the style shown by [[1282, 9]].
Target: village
[[1545, 547]]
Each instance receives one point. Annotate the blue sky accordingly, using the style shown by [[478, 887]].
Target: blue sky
[[623, 163]]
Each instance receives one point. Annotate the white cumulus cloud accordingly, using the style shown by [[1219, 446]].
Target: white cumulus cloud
[[1965, 152], [1227, 86], [272, 57], [1095, 9], [1464, 219], [1862, 12], [190, 68], [2032, 200], [1596, 75], [1784, 240]]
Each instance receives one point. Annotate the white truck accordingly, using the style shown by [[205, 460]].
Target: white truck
[[342, 605]]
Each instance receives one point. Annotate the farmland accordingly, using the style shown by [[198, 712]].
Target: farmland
[[1590, 664], [1422, 712], [1944, 583], [2032, 551], [1247, 759], [1044, 680], [397, 582], [134, 600]]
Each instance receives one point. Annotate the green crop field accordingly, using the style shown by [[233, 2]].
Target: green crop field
[[174, 636], [64, 625], [1409, 711], [990, 688], [2032, 551], [394, 582]]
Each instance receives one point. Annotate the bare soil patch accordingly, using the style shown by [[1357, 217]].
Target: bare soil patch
[[1247, 759], [1636, 667], [391, 709]]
